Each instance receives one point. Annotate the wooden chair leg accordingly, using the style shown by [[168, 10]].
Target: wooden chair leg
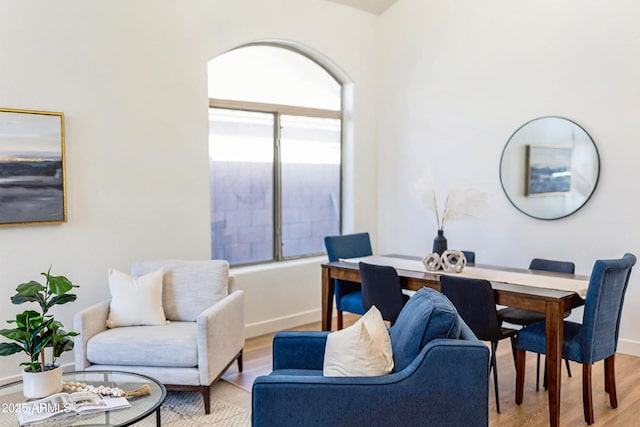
[[240, 361], [340, 320], [606, 376], [538, 372], [520, 365], [610, 380], [206, 397], [494, 365], [587, 400]]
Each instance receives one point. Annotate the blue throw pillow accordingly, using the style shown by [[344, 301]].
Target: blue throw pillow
[[427, 315]]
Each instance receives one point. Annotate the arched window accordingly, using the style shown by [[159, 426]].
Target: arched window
[[275, 127]]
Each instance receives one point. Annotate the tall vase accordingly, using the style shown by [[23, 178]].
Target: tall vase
[[440, 243]]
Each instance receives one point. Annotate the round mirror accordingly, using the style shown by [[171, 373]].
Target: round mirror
[[549, 168]]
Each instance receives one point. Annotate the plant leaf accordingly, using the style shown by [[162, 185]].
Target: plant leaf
[[19, 299], [27, 319], [66, 344], [58, 285], [9, 348], [14, 334], [30, 288], [61, 299], [41, 342]]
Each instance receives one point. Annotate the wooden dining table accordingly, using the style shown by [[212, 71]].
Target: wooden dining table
[[552, 302]]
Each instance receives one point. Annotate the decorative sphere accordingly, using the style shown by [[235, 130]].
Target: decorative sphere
[[453, 261], [432, 262]]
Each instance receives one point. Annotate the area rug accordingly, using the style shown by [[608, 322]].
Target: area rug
[[185, 409], [230, 407]]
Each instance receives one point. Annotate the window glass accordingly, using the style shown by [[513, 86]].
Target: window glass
[[241, 162], [310, 153], [272, 75]]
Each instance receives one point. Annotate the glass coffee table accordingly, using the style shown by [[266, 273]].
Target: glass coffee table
[[11, 398]]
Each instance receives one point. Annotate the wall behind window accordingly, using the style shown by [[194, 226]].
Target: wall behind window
[[131, 80]]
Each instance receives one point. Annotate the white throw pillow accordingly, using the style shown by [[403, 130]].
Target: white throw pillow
[[361, 350], [135, 301]]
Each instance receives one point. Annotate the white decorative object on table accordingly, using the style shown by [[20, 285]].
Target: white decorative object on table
[[453, 261], [432, 262], [73, 386]]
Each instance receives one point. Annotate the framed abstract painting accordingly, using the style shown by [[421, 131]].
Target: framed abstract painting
[[32, 171], [548, 170]]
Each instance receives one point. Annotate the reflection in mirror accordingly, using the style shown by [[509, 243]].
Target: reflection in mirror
[[549, 168]]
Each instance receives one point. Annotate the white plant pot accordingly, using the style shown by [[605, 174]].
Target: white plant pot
[[42, 384]]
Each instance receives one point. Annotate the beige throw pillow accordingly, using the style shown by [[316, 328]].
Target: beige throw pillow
[[135, 301], [361, 350]]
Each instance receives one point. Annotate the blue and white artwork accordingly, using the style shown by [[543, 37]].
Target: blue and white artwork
[[32, 184], [548, 170]]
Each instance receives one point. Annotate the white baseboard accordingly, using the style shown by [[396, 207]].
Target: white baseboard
[[632, 348], [281, 323]]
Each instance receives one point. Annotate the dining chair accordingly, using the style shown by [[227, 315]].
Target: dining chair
[[475, 303], [470, 256], [518, 316], [348, 295], [595, 339], [381, 287]]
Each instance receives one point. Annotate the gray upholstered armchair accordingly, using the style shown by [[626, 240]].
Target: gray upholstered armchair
[[203, 337]]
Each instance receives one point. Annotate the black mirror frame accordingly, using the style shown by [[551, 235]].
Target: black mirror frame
[[595, 185]]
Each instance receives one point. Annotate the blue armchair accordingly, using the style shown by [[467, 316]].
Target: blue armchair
[[441, 376]]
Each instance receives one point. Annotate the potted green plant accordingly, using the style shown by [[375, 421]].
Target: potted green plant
[[36, 331]]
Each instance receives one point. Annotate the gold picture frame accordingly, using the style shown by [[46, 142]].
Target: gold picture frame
[[32, 167]]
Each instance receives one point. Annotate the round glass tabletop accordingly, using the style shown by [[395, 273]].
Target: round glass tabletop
[[11, 399]]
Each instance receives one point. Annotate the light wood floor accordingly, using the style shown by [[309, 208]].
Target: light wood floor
[[534, 409]]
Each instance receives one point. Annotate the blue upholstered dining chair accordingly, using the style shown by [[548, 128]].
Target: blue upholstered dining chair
[[348, 294], [595, 339], [381, 287], [476, 304], [519, 316], [470, 256]]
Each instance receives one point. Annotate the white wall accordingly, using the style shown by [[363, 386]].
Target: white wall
[[458, 78], [453, 81], [130, 77]]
